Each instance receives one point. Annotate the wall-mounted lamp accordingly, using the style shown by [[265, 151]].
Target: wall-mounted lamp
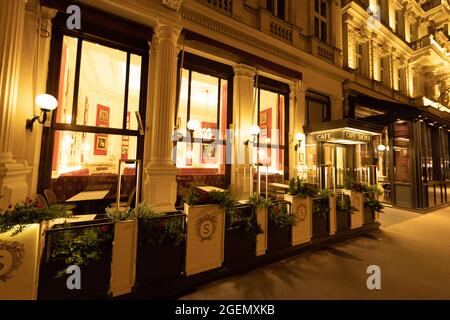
[[254, 132], [46, 103], [381, 147], [299, 138], [193, 125]]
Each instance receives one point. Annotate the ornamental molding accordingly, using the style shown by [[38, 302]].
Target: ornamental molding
[[172, 4]]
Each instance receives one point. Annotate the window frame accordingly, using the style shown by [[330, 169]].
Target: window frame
[[195, 63], [318, 98], [282, 89], [105, 37], [320, 19]]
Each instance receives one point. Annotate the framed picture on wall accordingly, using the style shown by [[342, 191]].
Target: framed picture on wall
[[101, 145], [208, 153], [102, 116]]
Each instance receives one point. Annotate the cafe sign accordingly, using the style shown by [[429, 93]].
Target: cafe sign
[[344, 135]]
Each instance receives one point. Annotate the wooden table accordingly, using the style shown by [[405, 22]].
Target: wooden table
[[210, 188], [90, 202], [89, 196], [279, 185]]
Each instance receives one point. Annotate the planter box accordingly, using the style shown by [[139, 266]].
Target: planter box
[[159, 262], [302, 210], [124, 257], [95, 276], [321, 222], [238, 245], [19, 262], [343, 220], [278, 237], [369, 215], [262, 218], [357, 217], [205, 238]]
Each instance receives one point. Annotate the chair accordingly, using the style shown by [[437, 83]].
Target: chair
[[125, 205], [52, 200], [40, 199]]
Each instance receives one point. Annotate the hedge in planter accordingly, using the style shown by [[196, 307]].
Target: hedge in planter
[[281, 221], [241, 230], [87, 245], [321, 217], [161, 246], [22, 230], [344, 210], [371, 207]]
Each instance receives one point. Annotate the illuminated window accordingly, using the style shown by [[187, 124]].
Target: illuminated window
[[204, 99], [272, 99], [99, 96]]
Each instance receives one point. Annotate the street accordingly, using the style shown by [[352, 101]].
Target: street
[[412, 250]]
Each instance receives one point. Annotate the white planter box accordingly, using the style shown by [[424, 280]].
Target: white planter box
[[205, 238], [123, 269], [262, 218], [20, 257], [302, 210], [357, 217]]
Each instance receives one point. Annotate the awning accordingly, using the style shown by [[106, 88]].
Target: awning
[[344, 131]]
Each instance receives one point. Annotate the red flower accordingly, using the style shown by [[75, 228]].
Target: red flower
[[104, 229]]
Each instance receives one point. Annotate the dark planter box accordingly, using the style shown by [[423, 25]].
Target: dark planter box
[[320, 226], [159, 263], [95, 276], [238, 245], [278, 237], [343, 220], [369, 215]]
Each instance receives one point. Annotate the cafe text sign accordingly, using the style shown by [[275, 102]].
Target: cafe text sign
[[344, 135]]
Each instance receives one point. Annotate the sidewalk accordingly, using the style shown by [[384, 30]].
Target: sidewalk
[[412, 250]]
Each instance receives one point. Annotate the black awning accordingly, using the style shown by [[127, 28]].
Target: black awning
[[343, 124]]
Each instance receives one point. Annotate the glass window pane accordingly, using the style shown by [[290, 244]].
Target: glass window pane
[[315, 110], [204, 102], [223, 109], [323, 9], [316, 6], [402, 168], [316, 27], [102, 86], [323, 29], [67, 80], [134, 90]]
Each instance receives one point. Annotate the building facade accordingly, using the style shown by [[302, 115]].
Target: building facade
[[336, 89]]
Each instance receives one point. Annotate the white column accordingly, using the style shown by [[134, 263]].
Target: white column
[[13, 175], [243, 111], [298, 120], [160, 186]]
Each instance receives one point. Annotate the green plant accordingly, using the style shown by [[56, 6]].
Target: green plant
[[321, 206], [223, 199], [373, 204], [244, 219], [258, 201], [278, 213], [80, 247], [157, 228], [343, 203], [300, 189], [28, 212], [118, 215]]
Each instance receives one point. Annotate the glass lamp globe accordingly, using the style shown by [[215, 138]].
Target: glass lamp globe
[[254, 130], [46, 102], [193, 125], [381, 147]]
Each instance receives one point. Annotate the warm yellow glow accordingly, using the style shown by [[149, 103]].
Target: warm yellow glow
[[254, 130], [46, 102], [193, 125]]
